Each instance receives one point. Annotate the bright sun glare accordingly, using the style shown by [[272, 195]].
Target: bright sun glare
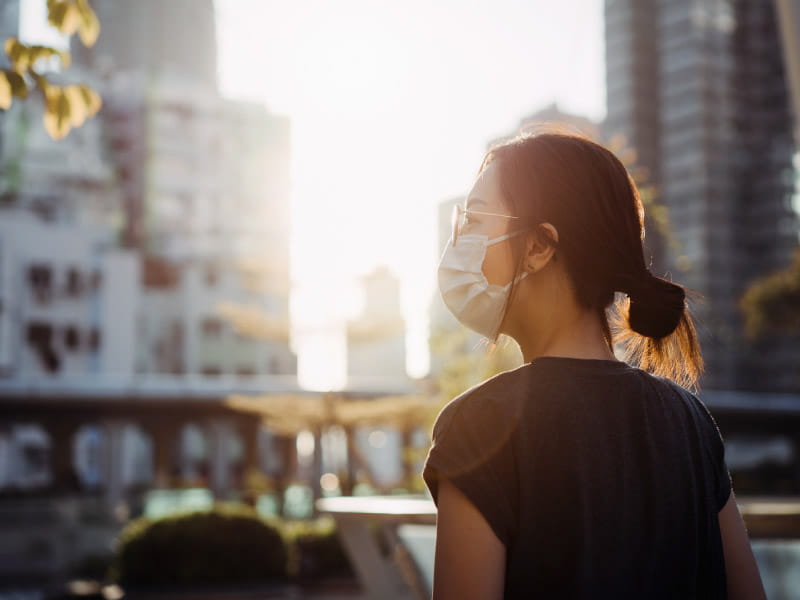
[[392, 105], [353, 81], [349, 67]]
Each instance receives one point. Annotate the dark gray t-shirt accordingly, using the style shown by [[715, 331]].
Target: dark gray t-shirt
[[601, 480]]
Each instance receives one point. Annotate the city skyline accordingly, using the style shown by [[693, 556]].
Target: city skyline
[[422, 131], [350, 87]]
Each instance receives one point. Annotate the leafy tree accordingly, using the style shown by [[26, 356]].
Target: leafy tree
[[468, 360], [66, 106], [772, 303]]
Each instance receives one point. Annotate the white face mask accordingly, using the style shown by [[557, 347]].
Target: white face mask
[[467, 294]]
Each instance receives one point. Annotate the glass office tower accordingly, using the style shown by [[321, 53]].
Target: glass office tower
[[699, 89]]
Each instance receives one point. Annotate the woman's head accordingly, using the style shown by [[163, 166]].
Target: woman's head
[[585, 225]]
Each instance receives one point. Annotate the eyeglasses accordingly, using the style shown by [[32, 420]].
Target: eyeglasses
[[460, 219]]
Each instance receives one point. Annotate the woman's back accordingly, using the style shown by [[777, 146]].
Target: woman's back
[[600, 479]]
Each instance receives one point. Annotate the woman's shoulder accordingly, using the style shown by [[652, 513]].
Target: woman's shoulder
[[691, 400], [482, 404], [676, 389]]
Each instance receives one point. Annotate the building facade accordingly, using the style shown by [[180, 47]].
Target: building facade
[[150, 245], [69, 301], [699, 89], [173, 38], [9, 23], [205, 182], [376, 340]]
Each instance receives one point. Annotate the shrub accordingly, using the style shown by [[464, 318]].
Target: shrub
[[315, 550], [91, 566], [227, 544]]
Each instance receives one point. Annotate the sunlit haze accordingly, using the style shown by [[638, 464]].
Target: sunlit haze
[[392, 105]]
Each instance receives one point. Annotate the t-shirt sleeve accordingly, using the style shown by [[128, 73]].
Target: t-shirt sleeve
[[722, 476], [472, 448]]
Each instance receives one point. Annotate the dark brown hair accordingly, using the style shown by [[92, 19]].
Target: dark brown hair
[[587, 194]]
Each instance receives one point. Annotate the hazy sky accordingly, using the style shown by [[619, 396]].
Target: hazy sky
[[392, 105]]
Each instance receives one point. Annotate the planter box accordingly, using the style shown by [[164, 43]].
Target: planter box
[[254, 591]]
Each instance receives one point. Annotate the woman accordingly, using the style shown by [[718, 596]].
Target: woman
[[576, 475]]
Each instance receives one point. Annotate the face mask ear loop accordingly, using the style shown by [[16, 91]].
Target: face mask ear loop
[[503, 238], [516, 280], [507, 287]]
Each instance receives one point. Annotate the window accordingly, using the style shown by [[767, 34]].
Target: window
[[71, 337], [40, 337], [40, 279], [74, 285], [212, 274], [212, 327]]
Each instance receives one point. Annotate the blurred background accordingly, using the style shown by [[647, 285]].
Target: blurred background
[[219, 229]]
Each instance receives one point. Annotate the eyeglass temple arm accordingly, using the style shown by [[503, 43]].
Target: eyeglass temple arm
[[478, 212]]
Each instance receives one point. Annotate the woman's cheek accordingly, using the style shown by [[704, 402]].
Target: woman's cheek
[[498, 266]]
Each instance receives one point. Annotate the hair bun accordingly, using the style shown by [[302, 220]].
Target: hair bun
[[656, 306]]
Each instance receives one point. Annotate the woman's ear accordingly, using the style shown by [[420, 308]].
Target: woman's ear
[[541, 247]]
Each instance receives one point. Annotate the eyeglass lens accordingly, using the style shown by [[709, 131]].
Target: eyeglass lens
[[456, 218]]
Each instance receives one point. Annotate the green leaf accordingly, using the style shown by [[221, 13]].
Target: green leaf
[[18, 86], [24, 57], [5, 91], [64, 16], [78, 110], [57, 113], [89, 27], [36, 53], [56, 11], [8, 45], [18, 54], [41, 81], [91, 99]]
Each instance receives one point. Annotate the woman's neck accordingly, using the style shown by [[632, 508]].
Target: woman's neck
[[575, 334]]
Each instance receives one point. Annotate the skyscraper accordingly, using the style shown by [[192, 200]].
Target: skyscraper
[[376, 339], [157, 37], [699, 89], [205, 186], [9, 24], [789, 20]]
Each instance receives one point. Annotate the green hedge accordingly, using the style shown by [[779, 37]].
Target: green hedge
[[228, 544], [315, 551], [231, 543]]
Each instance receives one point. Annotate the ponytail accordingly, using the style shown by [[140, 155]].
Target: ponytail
[[655, 331]]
